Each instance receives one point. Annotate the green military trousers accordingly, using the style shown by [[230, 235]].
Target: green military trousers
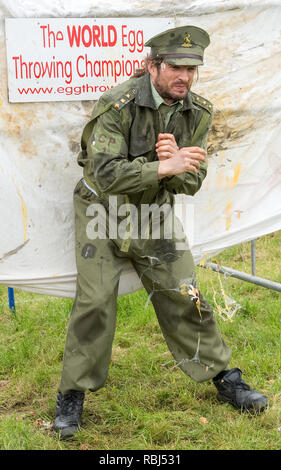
[[186, 319]]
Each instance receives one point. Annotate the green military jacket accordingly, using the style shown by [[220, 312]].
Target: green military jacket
[[118, 144]]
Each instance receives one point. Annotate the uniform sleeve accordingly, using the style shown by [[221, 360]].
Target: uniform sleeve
[[189, 183], [110, 168]]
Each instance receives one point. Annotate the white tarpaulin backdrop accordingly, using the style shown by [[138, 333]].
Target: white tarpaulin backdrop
[[241, 196]]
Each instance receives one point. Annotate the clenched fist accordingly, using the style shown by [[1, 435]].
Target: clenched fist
[[175, 161], [166, 147]]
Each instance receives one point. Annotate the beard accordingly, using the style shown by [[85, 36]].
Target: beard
[[166, 93]]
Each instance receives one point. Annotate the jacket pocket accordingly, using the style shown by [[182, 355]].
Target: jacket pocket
[[140, 146]]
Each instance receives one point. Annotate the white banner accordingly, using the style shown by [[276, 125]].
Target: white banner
[[240, 198], [67, 59]]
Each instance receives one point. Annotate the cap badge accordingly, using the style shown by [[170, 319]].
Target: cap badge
[[187, 42]]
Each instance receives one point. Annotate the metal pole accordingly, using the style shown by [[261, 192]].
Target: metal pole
[[253, 256], [245, 277], [11, 299]]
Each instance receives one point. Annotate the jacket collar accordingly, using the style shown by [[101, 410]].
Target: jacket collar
[[145, 98]]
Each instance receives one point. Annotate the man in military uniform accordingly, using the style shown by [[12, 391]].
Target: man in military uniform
[[145, 143]]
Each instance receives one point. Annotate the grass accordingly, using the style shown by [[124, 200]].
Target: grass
[[147, 403]]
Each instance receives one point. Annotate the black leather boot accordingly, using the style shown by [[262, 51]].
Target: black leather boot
[[232, 389], [68, 413]]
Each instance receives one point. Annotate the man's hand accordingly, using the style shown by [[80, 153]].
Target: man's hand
[[166, 147], [185, 159]]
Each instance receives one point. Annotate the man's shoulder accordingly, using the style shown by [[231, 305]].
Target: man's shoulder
[[116, 97], [201, 102], [124, 93]]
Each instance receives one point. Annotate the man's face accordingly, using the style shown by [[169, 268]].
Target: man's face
[[172, 82]]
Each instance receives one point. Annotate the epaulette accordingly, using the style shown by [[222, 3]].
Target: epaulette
[[203, 102], [125, 99]]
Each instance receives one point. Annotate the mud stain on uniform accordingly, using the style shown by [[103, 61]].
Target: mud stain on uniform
[[165, 251], [88, 251]]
